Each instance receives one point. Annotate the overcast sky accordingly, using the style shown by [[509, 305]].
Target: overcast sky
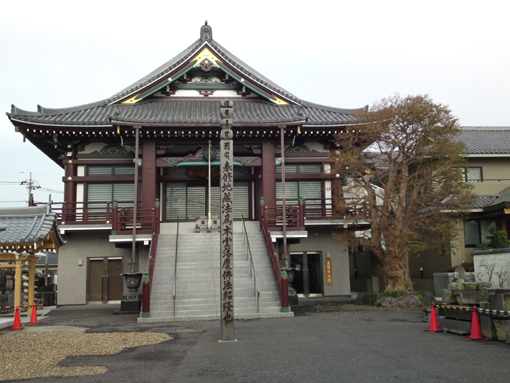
[[346, 54]]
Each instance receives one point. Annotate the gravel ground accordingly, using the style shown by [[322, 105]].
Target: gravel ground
[[35, 352]]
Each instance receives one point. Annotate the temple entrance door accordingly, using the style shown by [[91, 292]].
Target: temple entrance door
[[104, 280], [308, 272], [190, 201]]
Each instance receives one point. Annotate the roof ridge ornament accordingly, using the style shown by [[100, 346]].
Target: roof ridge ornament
[[206, 32]]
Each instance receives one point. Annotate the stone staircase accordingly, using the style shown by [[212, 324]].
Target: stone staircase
[[198, 276]]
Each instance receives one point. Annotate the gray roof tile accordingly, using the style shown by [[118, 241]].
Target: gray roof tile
[[485, 140], [482, 201], [190, 111], [27, 224]]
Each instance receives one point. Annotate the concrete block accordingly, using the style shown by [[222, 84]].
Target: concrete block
[[469, 297], [487, 327], [455, 326], [501, 330], [455, 314]]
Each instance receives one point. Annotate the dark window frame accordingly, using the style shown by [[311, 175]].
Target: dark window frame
[[479, 224], [473, 167]]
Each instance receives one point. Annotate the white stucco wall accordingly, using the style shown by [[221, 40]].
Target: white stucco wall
[[72, 277], [321, 240], [500, 260]]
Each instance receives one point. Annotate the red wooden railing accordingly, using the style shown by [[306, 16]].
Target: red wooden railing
[[119, 214], [295, 218], [297, 211], [148, 275], [78, 213], [123, 220]]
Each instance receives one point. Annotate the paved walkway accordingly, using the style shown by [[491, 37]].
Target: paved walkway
[[329, 340], [7, 320]]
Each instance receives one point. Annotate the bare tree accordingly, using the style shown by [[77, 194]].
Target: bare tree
[[503, 276], [403, 167]]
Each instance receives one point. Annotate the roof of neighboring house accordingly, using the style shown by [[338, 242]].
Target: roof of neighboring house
[[52, 259], [28, 224], [485, 139], [482, 201]]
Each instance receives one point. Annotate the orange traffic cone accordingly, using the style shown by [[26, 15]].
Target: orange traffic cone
[[434, 325], [17, 321], [476, 333], [33, 318]]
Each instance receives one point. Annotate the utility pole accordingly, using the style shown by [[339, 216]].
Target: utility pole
[[31, 185]]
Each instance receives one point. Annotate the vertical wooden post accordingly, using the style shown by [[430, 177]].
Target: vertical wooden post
[[285, 291], [135, 202], [17, 282], [115, 218], [284, 206], [146, 296], [31, 283], [268, 172], [302, 214], [226, 224], [149, 173], [157, 218]]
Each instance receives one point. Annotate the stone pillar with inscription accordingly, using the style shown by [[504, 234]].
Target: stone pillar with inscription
[[227, 223]]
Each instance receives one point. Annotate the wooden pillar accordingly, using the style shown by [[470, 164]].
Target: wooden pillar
[[69, 208], [337, 197], [31, 284], [268, 173], [17, 283], [149, 173]]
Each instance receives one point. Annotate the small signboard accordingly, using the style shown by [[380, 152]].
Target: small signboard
[[329, 272]]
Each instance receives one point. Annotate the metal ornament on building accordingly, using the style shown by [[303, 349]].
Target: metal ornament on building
[[227, 225]]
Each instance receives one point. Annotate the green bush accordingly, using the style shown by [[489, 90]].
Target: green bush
[[497, 239]]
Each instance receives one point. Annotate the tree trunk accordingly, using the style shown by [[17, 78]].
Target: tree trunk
[[395, 273]]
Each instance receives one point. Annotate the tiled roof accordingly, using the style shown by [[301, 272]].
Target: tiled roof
[[27, 224], [52, 259], [482, 201], [191, 111], [485, 140], [186, 112]]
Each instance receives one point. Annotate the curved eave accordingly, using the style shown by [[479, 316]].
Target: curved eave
[[59, 125]]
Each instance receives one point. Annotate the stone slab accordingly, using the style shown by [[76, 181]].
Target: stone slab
[[487, 327], [471, 297], [455, 326], [455, 314]]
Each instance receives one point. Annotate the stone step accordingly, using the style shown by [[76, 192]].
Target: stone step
[[198, 276]]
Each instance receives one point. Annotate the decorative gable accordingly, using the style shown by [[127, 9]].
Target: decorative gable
[[205, 75]]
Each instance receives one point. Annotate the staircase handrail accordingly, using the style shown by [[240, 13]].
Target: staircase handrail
[[252, 266], [147, 278], [273, 258], [175, 262]]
